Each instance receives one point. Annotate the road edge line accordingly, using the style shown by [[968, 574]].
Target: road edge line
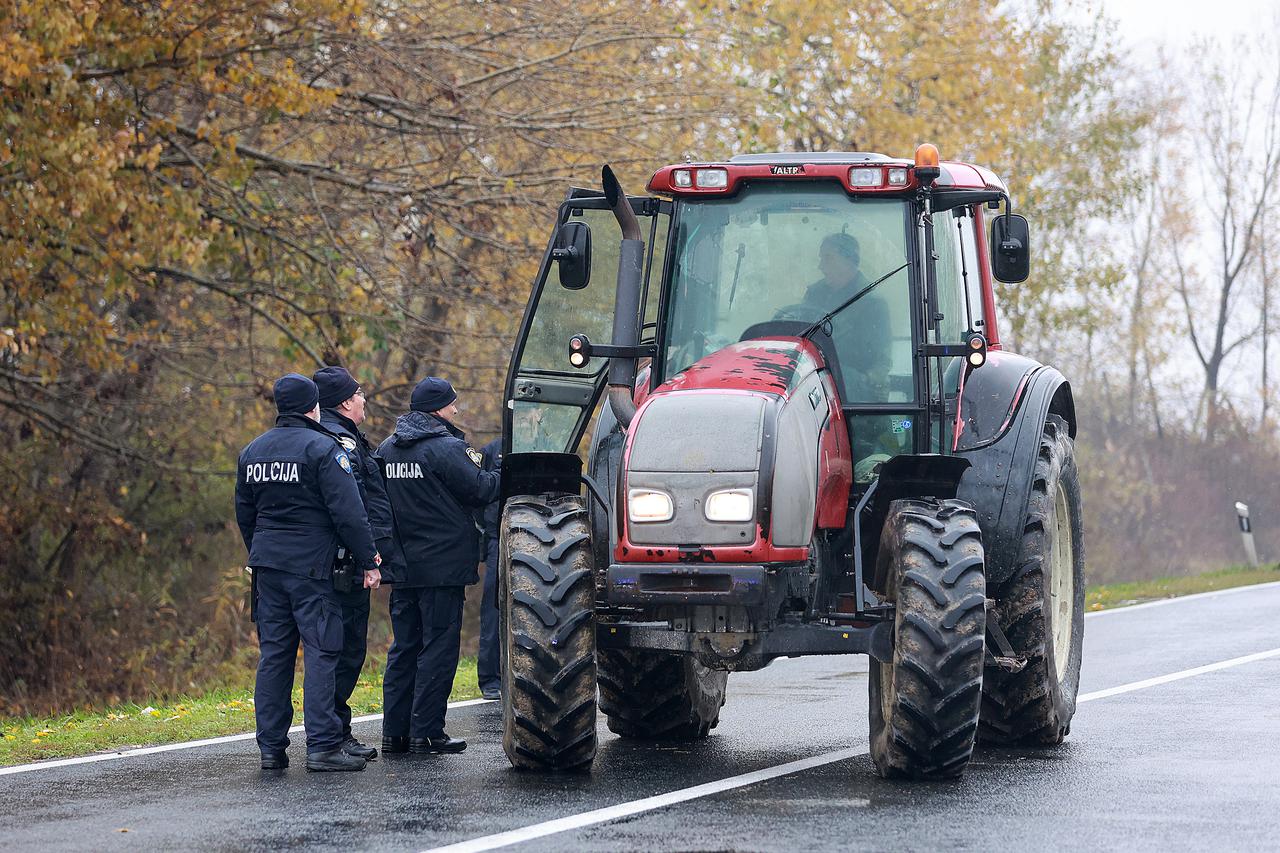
[[1176, 676], [51, 763]]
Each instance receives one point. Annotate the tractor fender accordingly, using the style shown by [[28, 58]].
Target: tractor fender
[[1004, 408]]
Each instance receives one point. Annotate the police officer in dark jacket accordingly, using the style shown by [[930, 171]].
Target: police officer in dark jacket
[[342, 412], [436, 485], [488, 666], [297, 503]]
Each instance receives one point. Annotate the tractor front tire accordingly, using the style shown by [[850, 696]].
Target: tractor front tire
[[548, 634], [658, 696], [924, 704], [1041, 608]]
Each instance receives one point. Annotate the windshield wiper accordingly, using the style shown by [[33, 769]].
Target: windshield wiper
[[826, 318]]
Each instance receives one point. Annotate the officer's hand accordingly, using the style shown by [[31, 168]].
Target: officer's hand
[[372, 579]]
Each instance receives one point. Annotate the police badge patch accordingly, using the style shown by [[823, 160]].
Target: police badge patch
[[348, 443], [475, 457], [344, 462]]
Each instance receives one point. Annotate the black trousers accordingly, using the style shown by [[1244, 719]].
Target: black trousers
[[355, 642], [427, 624], [292, 608], [488, 665]]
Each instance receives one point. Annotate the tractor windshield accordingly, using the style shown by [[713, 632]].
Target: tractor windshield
[[779, 256]]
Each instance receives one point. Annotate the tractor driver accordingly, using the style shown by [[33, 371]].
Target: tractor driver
[[860, 332]]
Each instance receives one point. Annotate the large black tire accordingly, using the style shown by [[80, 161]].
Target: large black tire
[[659, 696], [1034, 706], [924, 705], [548, 634]]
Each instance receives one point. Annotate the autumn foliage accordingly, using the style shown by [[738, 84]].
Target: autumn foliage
[[198, 196]]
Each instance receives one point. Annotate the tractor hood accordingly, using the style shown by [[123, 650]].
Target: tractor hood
[[739, 451], [768, 366]]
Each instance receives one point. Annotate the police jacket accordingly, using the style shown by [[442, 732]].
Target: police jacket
[[296, 500], [436, 486], [373, 492], [492, 459]]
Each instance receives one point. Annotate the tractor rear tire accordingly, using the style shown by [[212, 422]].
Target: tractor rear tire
[[1041, 608], [657, 696], [924, 705], [548, 634]]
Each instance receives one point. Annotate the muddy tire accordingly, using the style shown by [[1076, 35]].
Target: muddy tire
[[659, 696], [924, 705], [548, 634], [1041, 608]]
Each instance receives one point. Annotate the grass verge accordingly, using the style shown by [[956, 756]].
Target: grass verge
[[220, 712], [226, 712], [1108, 596]]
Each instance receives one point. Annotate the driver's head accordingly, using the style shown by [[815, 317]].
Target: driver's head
[[838, 259]]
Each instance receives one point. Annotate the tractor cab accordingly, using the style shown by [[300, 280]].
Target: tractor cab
[[805, 438], [764, 246]]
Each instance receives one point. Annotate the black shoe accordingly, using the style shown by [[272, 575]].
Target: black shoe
[[435, 745], [274, 760], [491, 691], [333, 760], [351, 746], [394, 744]]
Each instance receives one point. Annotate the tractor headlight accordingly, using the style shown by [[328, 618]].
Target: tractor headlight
[[711, 179], [649, 505], [863, 176], [730, 505]]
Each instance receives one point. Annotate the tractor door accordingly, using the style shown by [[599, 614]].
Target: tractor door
[[549, 403]]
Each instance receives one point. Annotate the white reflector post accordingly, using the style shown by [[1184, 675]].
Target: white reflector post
[[1246, 533]]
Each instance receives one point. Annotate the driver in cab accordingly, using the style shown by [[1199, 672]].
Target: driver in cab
[[859, 331]]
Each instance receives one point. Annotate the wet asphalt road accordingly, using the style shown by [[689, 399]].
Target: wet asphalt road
[[1189, 764]]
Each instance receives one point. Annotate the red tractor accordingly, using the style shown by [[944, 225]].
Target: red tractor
[[810, 442]]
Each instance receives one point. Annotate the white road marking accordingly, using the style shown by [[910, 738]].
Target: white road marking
[[188, 744], [597, 816], [1178, 599], [578, 821], [1176, 676]]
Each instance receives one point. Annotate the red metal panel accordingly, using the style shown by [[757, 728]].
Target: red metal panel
[[962, 175], [835, 464], [767, 366]]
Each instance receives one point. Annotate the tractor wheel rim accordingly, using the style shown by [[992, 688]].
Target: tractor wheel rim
[[1062, 581]]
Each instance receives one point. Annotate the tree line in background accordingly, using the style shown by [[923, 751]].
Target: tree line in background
[[197, 197]]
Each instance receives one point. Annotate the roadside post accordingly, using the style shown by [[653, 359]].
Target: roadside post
[[1246, 533]]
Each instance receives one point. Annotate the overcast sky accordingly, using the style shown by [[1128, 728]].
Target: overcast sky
[[1145, 23]]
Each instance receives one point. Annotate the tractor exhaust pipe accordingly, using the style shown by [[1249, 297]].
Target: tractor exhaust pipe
[[626, 314]]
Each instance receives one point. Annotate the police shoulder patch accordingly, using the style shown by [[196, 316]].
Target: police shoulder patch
[[474, 456], [344, 462], [348, 443]]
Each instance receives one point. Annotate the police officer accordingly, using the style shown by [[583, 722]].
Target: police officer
[[342, 412], [488, 665], [436, 485], [297, 503]]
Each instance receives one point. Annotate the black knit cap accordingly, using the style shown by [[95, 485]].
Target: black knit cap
[[336, 386], [432, 395], [295, 393]]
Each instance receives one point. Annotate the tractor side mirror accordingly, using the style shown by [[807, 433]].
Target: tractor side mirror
[[1010, 248], [572, 251]]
